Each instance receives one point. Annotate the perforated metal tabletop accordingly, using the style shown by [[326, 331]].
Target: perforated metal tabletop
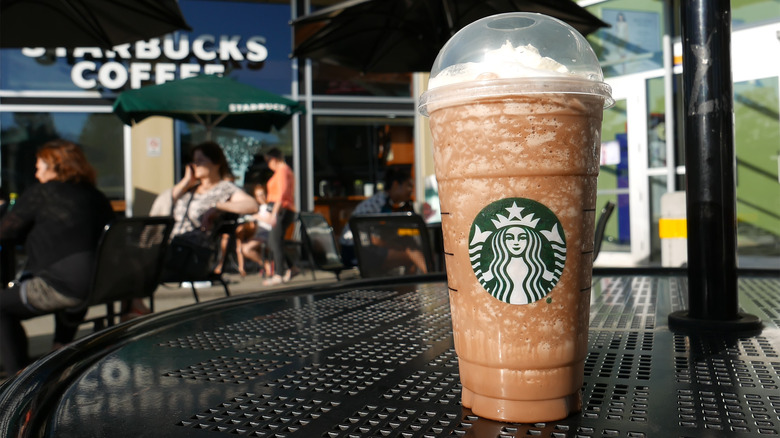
[[363, 360]]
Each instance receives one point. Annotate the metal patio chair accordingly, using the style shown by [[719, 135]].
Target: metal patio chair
[[601, 225], [378, 236], [320, 244], [204, 263], [128, 265]]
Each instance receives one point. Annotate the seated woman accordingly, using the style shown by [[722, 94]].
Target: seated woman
[[60, 221], [205, 192], [196, 202]]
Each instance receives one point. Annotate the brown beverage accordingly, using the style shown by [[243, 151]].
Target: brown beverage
[[503, 165], [515, 104]]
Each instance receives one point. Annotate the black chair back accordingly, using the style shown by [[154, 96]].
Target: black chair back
[[128, 264], [601, 225], [320, 242], [378, 236], [129, 259], [193, 262]]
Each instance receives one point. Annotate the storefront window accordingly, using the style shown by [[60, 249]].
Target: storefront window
[[243, 149], [657, 131], [100, 135], [658, 160], [613, 178], [633, 43], [757, 133], [656, 123], [350, 152], [350, 158]]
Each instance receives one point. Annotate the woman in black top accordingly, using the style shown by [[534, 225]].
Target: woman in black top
[[60, 222]]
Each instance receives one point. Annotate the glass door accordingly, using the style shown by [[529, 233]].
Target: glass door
[[665, 155], [622, 178], [757, 148]]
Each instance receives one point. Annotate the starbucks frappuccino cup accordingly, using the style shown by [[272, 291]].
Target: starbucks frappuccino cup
[[515, 104]]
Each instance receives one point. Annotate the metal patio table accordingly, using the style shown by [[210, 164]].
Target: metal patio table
[[376, 359]]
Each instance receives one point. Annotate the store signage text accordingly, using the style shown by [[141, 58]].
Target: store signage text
[[96, 67], [254, 107]]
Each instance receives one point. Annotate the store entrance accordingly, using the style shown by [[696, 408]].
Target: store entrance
[[351, 155], [623, 166]]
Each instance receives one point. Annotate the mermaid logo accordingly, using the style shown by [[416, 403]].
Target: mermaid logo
[[517, 249]]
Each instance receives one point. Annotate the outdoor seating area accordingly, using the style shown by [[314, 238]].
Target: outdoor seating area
[[128, 265], [376, 358], [134, 261], [162, 298], [385, 246]]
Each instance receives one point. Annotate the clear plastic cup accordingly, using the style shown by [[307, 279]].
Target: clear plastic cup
[[515, 104]]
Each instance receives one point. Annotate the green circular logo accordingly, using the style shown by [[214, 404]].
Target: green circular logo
[[517, 249]]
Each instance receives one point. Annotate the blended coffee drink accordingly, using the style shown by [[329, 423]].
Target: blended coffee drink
[[515, 104]]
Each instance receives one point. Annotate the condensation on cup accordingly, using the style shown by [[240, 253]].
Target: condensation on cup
[[515, 104]]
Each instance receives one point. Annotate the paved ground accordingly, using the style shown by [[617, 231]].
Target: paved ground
[[40, 330]]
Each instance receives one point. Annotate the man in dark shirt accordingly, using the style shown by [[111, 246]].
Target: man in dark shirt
[[396, 197]]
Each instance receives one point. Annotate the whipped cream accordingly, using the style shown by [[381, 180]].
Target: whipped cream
[[505, 62]]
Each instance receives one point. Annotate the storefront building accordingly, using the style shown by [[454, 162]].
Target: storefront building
[[643, 143], [356, 124]]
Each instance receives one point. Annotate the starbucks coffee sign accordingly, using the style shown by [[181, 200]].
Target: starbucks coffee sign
[[517, 249], [155, 59]]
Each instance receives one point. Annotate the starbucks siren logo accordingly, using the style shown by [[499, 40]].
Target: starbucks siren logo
[[517, 249]]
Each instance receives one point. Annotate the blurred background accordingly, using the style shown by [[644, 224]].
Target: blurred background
[[357, 123]]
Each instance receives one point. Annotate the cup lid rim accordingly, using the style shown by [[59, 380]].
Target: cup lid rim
[[456, 93]]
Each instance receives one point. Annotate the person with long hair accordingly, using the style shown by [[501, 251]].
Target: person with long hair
[[59, 221], [517, 267], [206, 191], [196, 202]]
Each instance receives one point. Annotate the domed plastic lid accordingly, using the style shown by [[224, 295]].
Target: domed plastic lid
[[514, 53]]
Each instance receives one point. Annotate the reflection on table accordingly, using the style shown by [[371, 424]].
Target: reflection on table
[[376, 359]]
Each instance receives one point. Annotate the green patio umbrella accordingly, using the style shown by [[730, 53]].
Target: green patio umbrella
[[209, 100]]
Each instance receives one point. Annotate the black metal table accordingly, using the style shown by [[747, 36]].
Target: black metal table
[[377, 360]]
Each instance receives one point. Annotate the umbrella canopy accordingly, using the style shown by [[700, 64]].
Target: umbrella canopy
[[209, 100], [406, 35], [86, 23]]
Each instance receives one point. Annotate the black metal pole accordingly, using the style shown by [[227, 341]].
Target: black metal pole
[[709, 112], [710, 170]]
